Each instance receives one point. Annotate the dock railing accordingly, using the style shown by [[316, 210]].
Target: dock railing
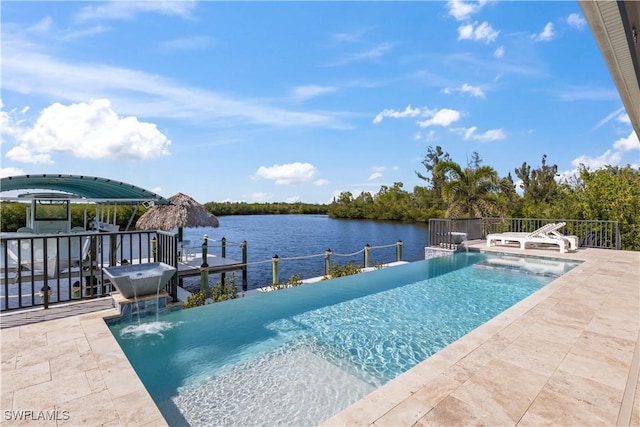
[[329, 256], [591, 233], [50, 269], [220, 263], [322, 262]]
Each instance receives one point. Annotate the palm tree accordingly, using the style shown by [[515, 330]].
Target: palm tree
[[471, 191]]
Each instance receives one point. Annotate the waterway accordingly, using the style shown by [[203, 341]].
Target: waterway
[[295, 236]]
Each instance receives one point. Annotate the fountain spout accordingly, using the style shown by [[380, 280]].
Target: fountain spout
[[138, 280]]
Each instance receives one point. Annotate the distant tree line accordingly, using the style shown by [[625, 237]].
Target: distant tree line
[[243, 208], [475, 190], [13, 215]]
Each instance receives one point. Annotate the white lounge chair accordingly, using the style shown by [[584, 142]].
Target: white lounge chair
[[504, 237], [573, 240], [554, 233], [540, 236]]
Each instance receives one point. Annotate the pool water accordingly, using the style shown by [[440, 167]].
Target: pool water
[[298, 356]]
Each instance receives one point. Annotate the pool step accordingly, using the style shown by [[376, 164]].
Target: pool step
[[524, 265]]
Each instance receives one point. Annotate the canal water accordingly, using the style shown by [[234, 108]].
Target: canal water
[[306, 238]]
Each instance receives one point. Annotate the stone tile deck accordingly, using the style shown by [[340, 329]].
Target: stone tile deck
[[567, 355]]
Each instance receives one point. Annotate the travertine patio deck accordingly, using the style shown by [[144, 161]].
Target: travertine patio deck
[[569, 355]]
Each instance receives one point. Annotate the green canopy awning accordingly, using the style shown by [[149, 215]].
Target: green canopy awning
[[87, 187]]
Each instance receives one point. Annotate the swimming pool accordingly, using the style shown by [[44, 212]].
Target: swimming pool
[[298, 356]]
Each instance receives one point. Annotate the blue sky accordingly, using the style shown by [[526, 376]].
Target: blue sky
[[298, 101]]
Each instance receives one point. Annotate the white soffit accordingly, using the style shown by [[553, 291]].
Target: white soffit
[[616, 28]]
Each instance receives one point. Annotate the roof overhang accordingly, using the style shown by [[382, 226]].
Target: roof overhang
[[616, 27], [87, 188]]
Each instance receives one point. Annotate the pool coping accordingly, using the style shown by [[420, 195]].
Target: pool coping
[[74, 364]]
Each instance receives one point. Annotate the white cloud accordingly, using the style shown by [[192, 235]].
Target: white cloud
[[466, 88], [188, 43], [46, 28], [408, 112], [24, 155], [443, 117], [624, 118], [377, 172], [260, 197], [482, 32], [321, 182], [490, 135], [499, 52], [519, 186], [609, 157], [429, 136], [311, 91], [129, 9], [576, 21], [373, 53], [43, 26], [627, 144], [292, 199], [5, 123], [351, 37], [138, 93], [11, 122], [88, 130], [10, 171], [589, 94], [609, 117], [546, 35], [612, 156], [461, 10], [287, 174]]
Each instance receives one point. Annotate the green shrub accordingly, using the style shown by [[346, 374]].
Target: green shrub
[[335, 270], [295, 280], [219, 292]]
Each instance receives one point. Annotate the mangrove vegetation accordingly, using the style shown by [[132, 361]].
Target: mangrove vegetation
[[475, 190]]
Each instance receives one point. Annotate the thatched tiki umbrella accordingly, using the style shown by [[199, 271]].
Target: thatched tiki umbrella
[[183, 211]]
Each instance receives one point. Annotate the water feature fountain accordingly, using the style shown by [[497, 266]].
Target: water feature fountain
[[140, 288]]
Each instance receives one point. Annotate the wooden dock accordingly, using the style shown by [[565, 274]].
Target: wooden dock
[[191, 265]]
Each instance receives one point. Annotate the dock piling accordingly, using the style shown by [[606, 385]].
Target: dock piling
[[367, 250], [204, 268], [243, 245], [223, 254], [274, 269], [327, 262]]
